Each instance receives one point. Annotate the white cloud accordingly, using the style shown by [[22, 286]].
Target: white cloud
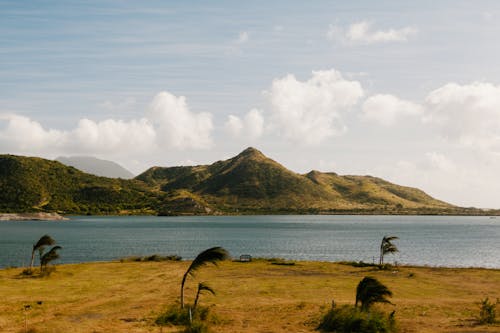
[[363, 33], [178, 127], [168, 125], [111, 136], [251, 127], [461, 180], [243, 37], [309, 112], [467, 114], [387, 109], [234, 125], [20, 133]]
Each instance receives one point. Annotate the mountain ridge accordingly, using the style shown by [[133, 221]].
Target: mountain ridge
[[248, 183]]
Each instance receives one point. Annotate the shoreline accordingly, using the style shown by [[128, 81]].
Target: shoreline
[[354, 264], [32, 217]]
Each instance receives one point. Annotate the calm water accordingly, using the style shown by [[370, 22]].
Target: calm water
[[435, 241]]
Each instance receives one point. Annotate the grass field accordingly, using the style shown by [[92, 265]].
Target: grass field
[[251, 297]]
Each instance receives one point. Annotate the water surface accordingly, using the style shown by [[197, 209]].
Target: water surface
[[424, 240]]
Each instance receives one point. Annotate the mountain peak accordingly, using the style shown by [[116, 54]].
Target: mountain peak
[[251, 152]]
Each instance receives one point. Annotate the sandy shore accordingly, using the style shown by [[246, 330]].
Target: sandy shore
[[31, 217]]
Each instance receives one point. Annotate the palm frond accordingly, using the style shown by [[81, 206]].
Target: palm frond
[[51, 255], [209, 256], [389, 238], [389, 248], [205, 287], [44, 241], [370, 291]]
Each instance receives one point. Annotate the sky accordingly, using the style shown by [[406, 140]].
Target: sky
[[403, 90]]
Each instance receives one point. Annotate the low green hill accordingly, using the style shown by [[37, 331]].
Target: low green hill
[[249, 183], [36, 184]]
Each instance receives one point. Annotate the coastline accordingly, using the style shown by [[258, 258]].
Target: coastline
[[32, 217]]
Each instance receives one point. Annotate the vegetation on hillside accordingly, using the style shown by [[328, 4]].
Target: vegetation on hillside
[[249, 183], [35, 184]]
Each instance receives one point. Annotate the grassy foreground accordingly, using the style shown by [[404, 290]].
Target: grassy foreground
[[251, 297]]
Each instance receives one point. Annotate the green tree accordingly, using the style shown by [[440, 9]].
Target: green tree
[[201, 288], [370, 291], [386, 246], [51, 255], [209, 256], [44, 241]]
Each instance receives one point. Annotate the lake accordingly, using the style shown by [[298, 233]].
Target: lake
[[468, 241]]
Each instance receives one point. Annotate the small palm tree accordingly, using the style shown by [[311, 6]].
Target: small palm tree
[[201, 288], [386, 246], [370, 291], [45, 240], [209, 256], [51, 255]]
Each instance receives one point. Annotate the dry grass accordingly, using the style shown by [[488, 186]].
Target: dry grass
[[251, 297]]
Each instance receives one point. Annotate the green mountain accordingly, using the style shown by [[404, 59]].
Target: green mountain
[[249, 183], [36, 184]]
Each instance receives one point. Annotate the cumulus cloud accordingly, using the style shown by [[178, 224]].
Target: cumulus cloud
[[363, 33], [251, 126], [168, 124], [20, 133], [310, 111], [178, 127], [468, 114], [388, 109]]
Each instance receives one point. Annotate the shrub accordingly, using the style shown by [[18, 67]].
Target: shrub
[[174, 315], [153, 257], [487, 312], [196, 327], [348, 319]]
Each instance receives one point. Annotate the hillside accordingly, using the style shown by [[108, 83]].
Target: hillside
[[36, 184], [96, 166], [249, 183]]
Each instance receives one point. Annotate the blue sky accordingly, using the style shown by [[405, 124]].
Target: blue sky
[[401, 90]]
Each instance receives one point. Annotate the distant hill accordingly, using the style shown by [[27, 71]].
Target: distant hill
[[96, 166], [249, 183]]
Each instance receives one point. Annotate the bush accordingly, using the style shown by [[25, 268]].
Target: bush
[[487, 312], [348, 319], [197, 327], [153, 257], [174, 315]]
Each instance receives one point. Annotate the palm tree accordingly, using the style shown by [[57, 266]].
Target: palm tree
[[386, 246], [40, 246], [49, 256], [370, 291], [201, 288], [209, 256]]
